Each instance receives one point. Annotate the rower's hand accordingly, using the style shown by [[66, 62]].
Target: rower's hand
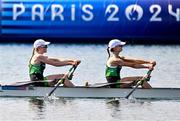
[[76, 62], [153, 63], [151, 67]]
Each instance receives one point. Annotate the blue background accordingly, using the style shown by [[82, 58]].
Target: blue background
[[99, 27]]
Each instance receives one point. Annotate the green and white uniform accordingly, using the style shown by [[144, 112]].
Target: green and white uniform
[[113, 75]]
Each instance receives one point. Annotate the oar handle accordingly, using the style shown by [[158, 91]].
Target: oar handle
[[149, 72], [70, 75]]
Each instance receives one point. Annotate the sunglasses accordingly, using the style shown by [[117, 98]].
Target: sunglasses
[[119, 46], [45, 46]]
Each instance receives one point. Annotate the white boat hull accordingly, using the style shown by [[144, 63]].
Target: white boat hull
[[87, 92]]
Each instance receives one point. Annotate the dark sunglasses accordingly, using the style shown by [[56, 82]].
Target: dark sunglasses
[[45, 46], [119, 46]]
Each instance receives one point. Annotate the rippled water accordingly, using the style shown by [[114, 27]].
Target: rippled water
[[14, 60]]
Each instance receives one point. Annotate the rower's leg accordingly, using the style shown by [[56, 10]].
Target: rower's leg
[[146, 85], [126, 85], [134, 79], [56, 77], [131, 81], [68, 83]]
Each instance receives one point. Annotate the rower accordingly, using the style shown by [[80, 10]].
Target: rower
[[116, 61], [38, 61]]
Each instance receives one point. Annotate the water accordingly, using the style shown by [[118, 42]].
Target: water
[[14, 60]]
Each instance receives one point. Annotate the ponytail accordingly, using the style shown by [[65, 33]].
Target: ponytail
[[108, 52], [33, 52]]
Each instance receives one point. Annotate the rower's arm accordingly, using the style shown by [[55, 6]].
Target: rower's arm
[[60, 62], [57, 61], [130, 64], [137, 61]]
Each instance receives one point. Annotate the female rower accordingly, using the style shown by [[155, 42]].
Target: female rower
[[115, 63], [38, 61]]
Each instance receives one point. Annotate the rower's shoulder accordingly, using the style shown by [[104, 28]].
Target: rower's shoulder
[[37, 58], [41, 56], [113, 61]]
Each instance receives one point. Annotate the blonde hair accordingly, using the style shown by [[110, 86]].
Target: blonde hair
[[33, 52]]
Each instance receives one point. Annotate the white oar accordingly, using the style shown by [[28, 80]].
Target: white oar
[[61, 81], [139, 83]]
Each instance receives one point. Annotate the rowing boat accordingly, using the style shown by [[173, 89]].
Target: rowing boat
[[88, 92]]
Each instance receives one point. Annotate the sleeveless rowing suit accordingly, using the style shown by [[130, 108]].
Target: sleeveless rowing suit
[[36, 74], [36, 71], [113, 75]]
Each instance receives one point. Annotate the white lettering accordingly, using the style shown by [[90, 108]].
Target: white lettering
[[110, 9], [85, 10], [175, 14], [55, 12], [17, 13], [73, 12], [156, 9], [37, 13]]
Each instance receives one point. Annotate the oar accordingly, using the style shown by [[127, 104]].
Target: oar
[[70, 75], [61, 81], [139, 83]]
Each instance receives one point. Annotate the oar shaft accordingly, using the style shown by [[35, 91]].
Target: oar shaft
[[70, 72], [132, 90], [55, 87]]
